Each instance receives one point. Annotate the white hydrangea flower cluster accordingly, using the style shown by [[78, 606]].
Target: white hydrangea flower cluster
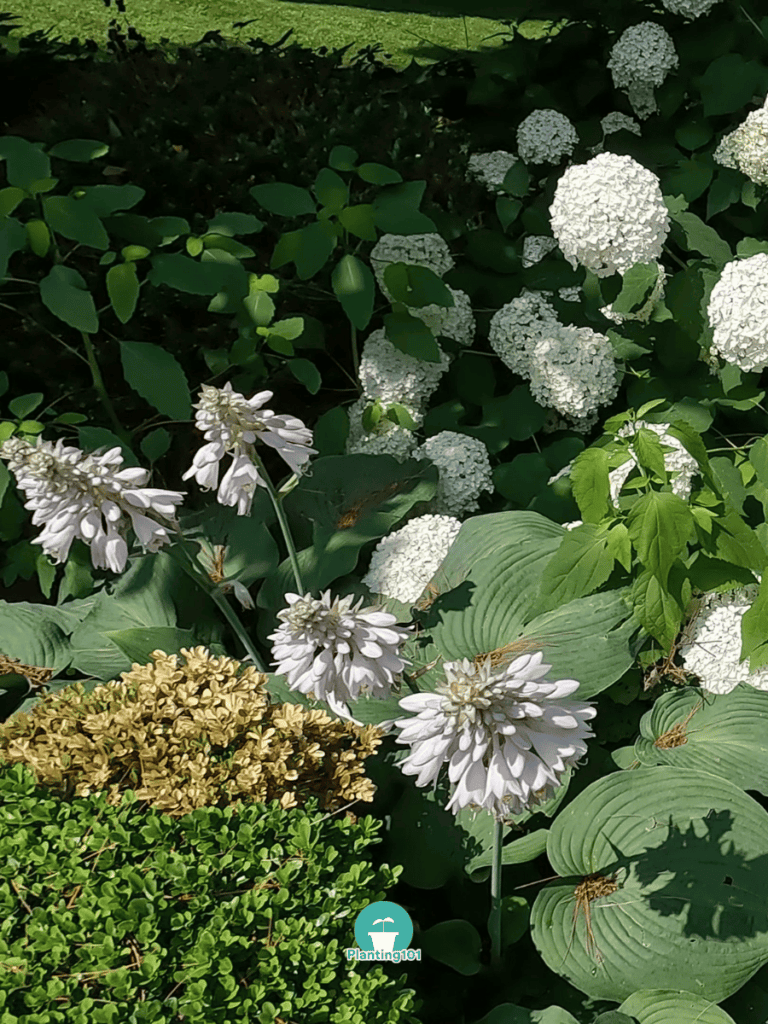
[[404, 562], [387, 438], [738, 313], [690, 9], [614, 122], [508, 734], [423, 250], [545, 136], [609, 214], [554, 422], [517, 326], [536, 247], [573, 370], [714, 648], [642, 58], [680, 464], [491, 168], [456, 322], [746, 147], [465, 471], [394, 377], [644, 313]]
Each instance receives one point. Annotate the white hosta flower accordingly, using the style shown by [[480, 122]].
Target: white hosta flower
[[75, 495], [517, 326], [714, 648], [507, 735], [690, 9], [231, 424], [573, 370], [546, 136], [642, 58], [386, 438], [394, 377], [465, 471], [738, 313], [404, 562], [681, 466], [609, 214], [746, 147], [425, 250], [491, 168], [456, 322], [337, 651]]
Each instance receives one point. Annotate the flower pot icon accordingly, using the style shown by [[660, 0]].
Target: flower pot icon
[[383, 942]]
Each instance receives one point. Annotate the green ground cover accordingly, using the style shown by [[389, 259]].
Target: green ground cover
[[314, 25]]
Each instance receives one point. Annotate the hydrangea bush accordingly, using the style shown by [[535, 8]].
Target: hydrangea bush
[[527, 544]]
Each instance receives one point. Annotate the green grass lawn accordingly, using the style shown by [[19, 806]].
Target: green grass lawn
[[314, 25]]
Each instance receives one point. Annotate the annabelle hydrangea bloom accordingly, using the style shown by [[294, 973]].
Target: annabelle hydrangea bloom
[[404, 562], [746, 147], [546, 136], [738, 313], [491, 168], [690, 9], [517, 326], [423, 250], [714, 648], [679, 464], [507, 734], [394, 377], [609, 214], [456, 322], [87, 497], [573, 370], [641, 59], [386, 438], [465, 471], [337, 651], [231, 424]]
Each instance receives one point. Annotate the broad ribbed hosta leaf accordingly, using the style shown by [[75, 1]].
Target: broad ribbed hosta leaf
[[716, 732], [500, 559], [662, 1006], [683, 856]]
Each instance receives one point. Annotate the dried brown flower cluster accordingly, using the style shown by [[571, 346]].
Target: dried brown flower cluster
[[191, 736]]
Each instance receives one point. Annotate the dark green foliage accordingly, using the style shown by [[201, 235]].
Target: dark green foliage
[[213, 918]]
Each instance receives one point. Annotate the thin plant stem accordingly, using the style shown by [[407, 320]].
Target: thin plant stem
[[746, 15], [280, 513], [495, 922], [101, 391], [190, 566], [677, 260]]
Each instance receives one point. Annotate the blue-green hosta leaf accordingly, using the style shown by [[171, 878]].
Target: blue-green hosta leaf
[[709, 732], [669, 1006], [500, 560], [677, 892]]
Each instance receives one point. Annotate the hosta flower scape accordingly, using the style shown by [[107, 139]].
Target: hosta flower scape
[[409, 549]]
